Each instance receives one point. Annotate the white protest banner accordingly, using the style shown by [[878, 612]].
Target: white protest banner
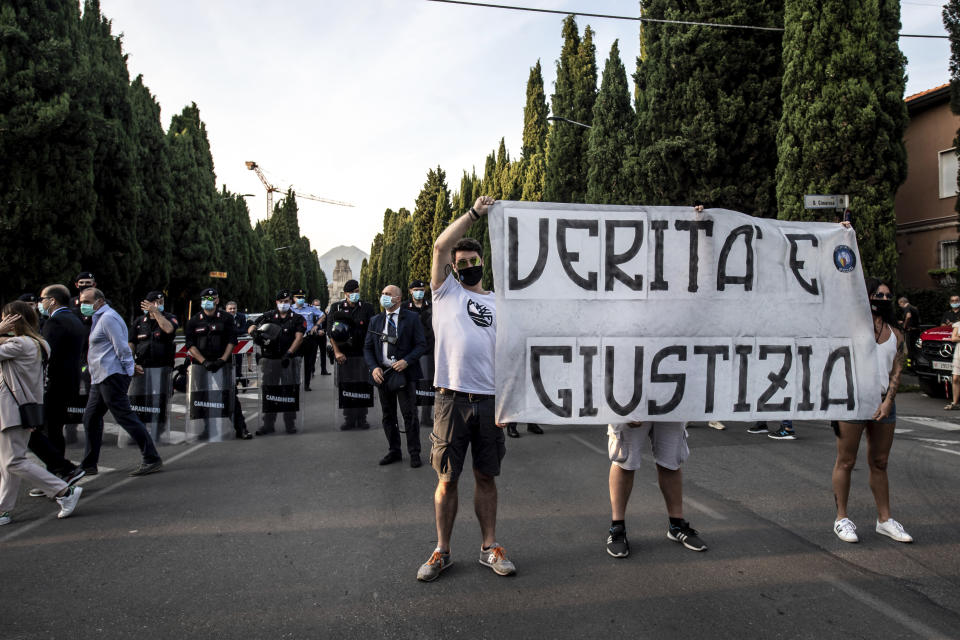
[[615, 313]]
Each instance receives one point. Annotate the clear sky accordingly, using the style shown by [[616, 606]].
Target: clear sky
[[356, 100]]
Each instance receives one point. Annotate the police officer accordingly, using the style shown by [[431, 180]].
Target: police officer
[[308, 348], [151, 337], [152, 334], [210, 338], [283, 348], [355, 315], [240, 324], [84, 280], [321, 336], [419, 304]]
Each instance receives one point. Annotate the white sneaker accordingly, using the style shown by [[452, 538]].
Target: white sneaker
[[5, 518], [36, 493], [68, 503], [719, 426], [846, 530], [893, 529]]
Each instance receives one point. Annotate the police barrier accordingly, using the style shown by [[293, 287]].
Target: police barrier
[[425, 391], [150, 399], [78, 404], [210, 399], [280, 393]]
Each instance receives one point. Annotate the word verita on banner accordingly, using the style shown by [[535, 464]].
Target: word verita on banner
[[641, 256]]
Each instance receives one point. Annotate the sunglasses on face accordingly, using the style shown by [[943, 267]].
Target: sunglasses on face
[[466, 263], [210, 298], [883, 296]]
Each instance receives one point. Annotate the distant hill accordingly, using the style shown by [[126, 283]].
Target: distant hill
[[329, 260]]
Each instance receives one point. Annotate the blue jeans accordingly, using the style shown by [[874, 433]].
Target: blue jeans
[[112, 394]]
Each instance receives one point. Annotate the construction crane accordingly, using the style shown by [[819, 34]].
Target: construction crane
[[253, 166]]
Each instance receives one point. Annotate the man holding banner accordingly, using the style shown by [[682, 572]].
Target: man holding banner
[[464, 323]]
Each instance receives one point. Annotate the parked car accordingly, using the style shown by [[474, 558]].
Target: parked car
[[934, 361]]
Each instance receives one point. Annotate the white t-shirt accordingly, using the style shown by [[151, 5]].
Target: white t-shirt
[[465, 326]]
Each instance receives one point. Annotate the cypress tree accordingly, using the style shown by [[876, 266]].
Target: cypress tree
[[565, 179], [106, 96], [951, 20], [193, 185], [284, 233], [46, 138], [441, 218], [844, 118], [533, 153], [709, 105], [373, 267], [152, 190], [323, 285], [607, 179]]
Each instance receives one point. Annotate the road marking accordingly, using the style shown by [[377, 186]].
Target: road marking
[[883, 608], [931, 422], [938, 441], [589, 445], [903, 430], [26, 528], [956, 453]]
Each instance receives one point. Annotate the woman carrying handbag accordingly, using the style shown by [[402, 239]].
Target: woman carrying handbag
[[22, 353]]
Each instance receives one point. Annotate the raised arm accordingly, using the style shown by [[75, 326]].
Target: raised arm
[[454, 231]]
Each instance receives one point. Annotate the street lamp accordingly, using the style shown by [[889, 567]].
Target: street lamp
[[579, 124]]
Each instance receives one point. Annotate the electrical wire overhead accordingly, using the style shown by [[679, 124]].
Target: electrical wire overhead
[[720, 25]]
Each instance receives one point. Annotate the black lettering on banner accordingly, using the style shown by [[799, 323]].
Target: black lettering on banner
[[743, 350], [658, 227], [564, 410], [805, 351], [797, 265], [694, 227], [567, 258], [619, 409], [778, 381], [679, 379], [747, 278], [611, 270], [513, 248], [588, 354], [841, 353], [711, 351]]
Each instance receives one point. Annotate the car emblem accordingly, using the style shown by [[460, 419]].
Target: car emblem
[[946, 351]]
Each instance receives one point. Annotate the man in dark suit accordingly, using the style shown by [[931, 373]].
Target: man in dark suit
[[392, 349], [66, 335]]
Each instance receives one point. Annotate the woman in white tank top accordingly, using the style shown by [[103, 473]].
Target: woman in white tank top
[[879, 429]]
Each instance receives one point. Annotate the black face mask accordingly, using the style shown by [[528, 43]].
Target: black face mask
[[882, 308], [471, 275]]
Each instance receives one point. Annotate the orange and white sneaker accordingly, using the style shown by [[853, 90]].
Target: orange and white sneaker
[[431, 569], [496, 559]]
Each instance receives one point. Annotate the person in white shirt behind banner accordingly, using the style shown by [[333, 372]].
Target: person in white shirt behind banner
[[465, 326]]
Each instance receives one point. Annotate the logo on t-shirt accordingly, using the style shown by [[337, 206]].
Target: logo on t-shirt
[[481, 316]]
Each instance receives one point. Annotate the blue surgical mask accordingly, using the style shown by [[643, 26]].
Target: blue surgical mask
[[386, 301], [283, 307], [41, 310], [86, 309], [354, 297], [160, 308], [208, 305], [300, 302], [418, 295], [955, 305]]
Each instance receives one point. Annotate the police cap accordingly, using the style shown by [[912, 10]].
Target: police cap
[[350, 286], [154, 295], [299, 293], [84, 275], [417, 284], [28, 297], [283, 293], [209, 291]]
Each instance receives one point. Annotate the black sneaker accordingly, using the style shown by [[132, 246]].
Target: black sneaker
[[687, 536], [617, 545], [758, 428], [72, 477], [147, 468]]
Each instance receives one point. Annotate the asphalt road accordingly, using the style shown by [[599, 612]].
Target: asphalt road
[[305, 536]]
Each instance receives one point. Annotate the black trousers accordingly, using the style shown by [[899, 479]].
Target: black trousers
[[111, 394], [407, 399], [322, 349], [44, 449], [308, 349], [56, 416]]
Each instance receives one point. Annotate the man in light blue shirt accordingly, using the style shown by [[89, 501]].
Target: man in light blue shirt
[[110, 363], [308, 348]]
